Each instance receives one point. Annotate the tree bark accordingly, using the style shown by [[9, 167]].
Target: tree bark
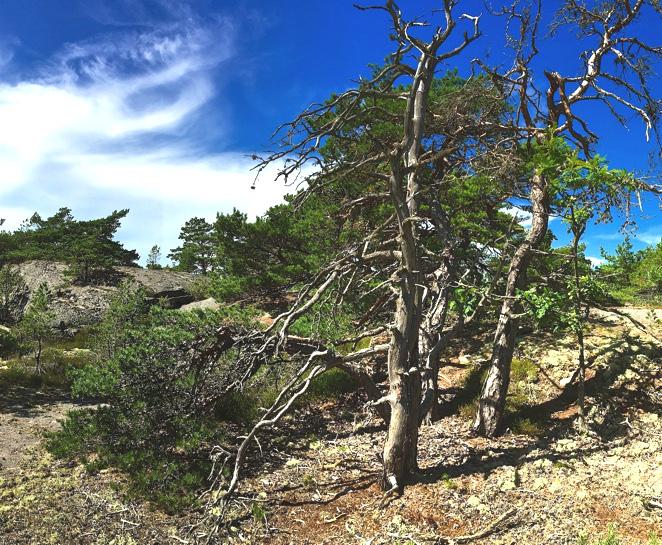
[[38, 357], [430, 348], [578, 230], [401, 446], [492, 404]]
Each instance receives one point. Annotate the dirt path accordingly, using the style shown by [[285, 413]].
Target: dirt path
[[25, 414]]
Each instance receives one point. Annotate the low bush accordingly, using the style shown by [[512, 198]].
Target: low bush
[[78, 435], [160, 389], [243, 407], [167, 401], [8, 342], [331, 385], [523, 370], [171, 479], [520, 417]]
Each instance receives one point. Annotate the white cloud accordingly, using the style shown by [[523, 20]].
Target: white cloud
[[523, 217], [111, 123], [650, 236], [617, 235], [13, 216], [596, 261]]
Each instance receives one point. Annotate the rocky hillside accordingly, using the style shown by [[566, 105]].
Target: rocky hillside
[[76, 306]]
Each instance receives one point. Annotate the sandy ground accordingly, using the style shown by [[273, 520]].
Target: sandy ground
[[25, 414], [317, 482]]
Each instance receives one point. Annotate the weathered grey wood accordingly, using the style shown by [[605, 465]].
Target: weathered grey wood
[[489, 417]]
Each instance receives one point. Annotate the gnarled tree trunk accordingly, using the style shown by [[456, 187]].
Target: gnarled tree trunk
[[489, 418], [432, 331], [401, 446]]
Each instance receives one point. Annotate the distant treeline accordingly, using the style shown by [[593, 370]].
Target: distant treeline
[[88, 246], [631, 274], [281, 248], [233, 255]]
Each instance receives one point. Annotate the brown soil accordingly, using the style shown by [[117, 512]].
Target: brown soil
[[558, 484]]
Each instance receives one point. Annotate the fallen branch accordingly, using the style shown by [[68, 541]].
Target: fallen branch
[[641, 327], [552, 381], [652, 503], [490, 529]]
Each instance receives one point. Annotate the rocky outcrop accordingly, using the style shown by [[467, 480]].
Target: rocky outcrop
[[76, 306], [169, 287], [205, 304]]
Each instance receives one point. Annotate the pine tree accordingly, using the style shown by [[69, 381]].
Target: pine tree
[[197, 253], [154, 257], [87, 246], [36, 326]]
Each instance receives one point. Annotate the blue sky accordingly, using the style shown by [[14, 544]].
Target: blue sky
[[155, 105]]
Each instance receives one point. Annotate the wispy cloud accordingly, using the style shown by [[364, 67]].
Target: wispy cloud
[[524, 217], [650, 236], [113, 122], [617, 235], [596, 261], [8, 45]]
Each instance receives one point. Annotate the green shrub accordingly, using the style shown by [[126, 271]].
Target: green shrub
[[523, 370], [96, 380], [221, 288], [127, 309], [78, 435], [467, 411], [8, 342], [173, 483], [448, 481], [610, 538], [243, 407], [526, 426], [201, 287], [83, 338], [467, 398], [172, 479], [331, 385], [326, 321], [165, 407], [159, 423], [62, 361]]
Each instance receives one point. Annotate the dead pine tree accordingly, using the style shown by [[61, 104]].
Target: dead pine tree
[[404, 160], [392, 248], [615, 74]]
